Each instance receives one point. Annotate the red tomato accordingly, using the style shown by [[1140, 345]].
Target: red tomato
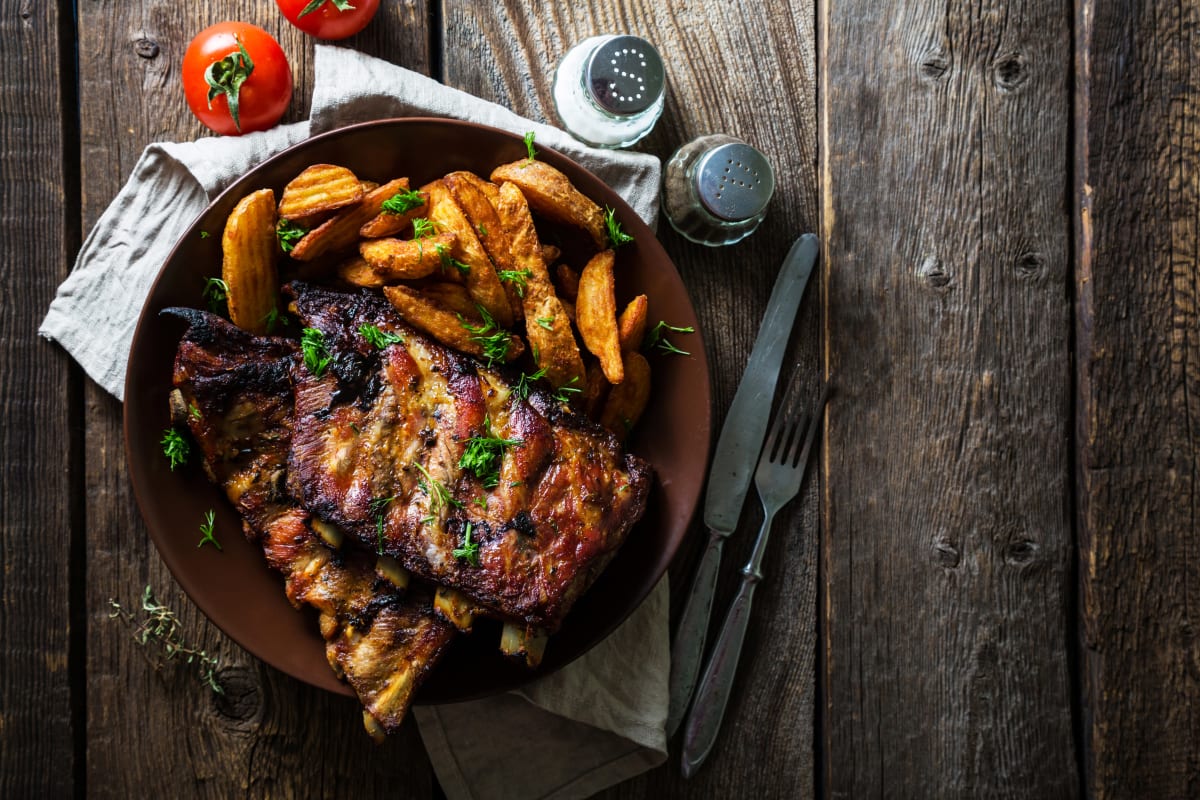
[[329, 19], [236, 78]]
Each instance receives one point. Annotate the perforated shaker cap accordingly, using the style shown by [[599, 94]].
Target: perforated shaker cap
[[734, 181], [625, 75]]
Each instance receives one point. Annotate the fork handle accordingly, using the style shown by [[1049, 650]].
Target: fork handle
[[716, 684]]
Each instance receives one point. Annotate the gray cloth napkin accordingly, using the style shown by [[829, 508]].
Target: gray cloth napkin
[[571, 734]]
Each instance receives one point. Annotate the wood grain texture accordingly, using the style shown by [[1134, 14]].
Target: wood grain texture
[[36, 747], [947, 538], [161, 734], [1138, 115], [724, 66]]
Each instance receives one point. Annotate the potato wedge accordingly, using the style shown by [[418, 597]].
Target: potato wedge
[[596, 315], [524, 247], [627, 400], [389, 223], [474, 335], [595, 390], [480, 278], [357, 272], [341, 231], [550, 254], [453, 296], [321, 187], [475, 201], [552, 194], [249, 251], [407, 259], [631, 325], [548, 329]]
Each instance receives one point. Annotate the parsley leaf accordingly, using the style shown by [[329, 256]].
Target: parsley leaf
[[206, 530], [546, 322], [423, 227], [469, 550], [175, 447], [489, 336], [483, 454], [450, 261], [274, 318], [316, 354], [529, 145], [616, 236], [378, 338], [216, 295], [519, 278], [656, 338], [289, 233], [401, 202]]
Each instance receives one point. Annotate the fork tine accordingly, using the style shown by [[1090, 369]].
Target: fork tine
[[775, 437], [812, 431], [802, 425]]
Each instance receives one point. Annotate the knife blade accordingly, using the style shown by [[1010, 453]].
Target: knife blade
[[733, 465]]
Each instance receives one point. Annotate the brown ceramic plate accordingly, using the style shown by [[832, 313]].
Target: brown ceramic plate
[[239, 592]]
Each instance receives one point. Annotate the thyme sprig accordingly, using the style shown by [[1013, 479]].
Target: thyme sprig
[[158, 627]]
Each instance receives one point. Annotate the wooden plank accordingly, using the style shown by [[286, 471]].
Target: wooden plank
[[723, 69], [1138, 340], [162, 734], [37, 389], [947, 542]]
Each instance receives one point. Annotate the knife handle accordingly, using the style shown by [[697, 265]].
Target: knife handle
[[688, 648], [712, 696]]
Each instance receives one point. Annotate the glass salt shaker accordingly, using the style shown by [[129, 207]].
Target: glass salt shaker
[[716, 189], [608, 90]]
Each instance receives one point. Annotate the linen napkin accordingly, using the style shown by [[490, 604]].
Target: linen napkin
[[594, 723]]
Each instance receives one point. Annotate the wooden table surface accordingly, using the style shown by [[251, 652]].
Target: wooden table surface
[[989, 588]]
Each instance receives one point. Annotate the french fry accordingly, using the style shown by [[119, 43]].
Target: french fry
[[248, 262], [472, 335], [321, 187], [480, 278], [357, 272], [596, 315], [406, 259], [552, 194], [627, 400], [631, 325], [568, 281], [475, 200], [341, 231], [387, 223]]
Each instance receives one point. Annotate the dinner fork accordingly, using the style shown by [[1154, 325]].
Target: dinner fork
[[778, 477]]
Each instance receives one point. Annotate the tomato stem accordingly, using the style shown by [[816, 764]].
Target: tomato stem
[[340, 5], [225, 77]]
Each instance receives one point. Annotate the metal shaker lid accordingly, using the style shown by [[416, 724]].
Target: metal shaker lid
[[625, 75], [734, 181]]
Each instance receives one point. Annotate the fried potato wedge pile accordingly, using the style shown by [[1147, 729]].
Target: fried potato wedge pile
[[462, 259]]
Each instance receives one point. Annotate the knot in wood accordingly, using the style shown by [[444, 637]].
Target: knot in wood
[[1020, 552], [933, 274], [946, 554], [1011, 71], [1031, 266], [240, 706], [934, 65], [146, 48]]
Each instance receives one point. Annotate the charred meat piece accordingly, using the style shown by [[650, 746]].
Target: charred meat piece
[[238, 389], [428, 456]]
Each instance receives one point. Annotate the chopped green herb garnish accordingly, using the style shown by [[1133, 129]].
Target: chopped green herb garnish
[[480, 501], [519, 278], [355, 428], [175, 447], [205, 234], [616, 236], [423, 227], [216, 295], [160, 629], [439, 496], [449, 261], [524, 383], [482, 230], [378, 338], [546, 322], [274, 318], [194, 410], [316, 354], [402, 202], [378, 507], [289, 233], [469, 550], [656, 338], [483, 454], [206, 530], [563, 393], [489, 336], [529, 145]]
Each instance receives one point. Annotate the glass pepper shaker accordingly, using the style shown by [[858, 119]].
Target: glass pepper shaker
[[608, 90], [716, 189]]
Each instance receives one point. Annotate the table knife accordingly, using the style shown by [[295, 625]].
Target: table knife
[[733, 465]]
